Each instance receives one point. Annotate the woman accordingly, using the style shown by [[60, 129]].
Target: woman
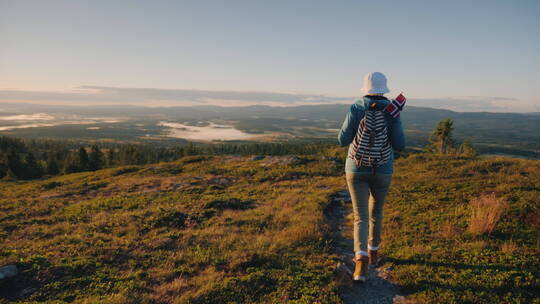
[[368, 185]]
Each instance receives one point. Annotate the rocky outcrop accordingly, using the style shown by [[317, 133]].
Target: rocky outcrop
[[290, 160]]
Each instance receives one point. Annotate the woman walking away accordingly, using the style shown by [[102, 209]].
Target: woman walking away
[[372, 129]]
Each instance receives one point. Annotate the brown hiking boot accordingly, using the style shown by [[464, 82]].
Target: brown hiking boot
[[372, 257], [361, 268]]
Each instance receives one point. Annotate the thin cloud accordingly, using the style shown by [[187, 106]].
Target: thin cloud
[[102, 94], [476, 104], [496, 98]]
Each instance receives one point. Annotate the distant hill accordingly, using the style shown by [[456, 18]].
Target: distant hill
[[6, 113], [510, 133]]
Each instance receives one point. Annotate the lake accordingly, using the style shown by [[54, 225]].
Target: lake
[[206, 133]]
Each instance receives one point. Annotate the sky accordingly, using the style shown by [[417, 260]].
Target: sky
[[460, 55]]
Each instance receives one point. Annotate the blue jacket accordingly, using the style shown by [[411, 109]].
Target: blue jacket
[[350, 126]]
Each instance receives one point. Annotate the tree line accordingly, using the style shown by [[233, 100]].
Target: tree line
[[30, 159], [20, 159]]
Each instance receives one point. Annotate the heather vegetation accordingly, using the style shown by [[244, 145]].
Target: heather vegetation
[[198, 230], [465, 230], [253, 229]]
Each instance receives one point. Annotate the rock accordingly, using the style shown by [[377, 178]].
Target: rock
[[337, 200], [343, 274], [179, 185], [51, 185], [343, 193], [290, 160], [342, 268], [342, 197], [28, 291], [399, 300], [8, 271], [151, 190], [232, 158], [341, 200], [336, 160], [222, 181]]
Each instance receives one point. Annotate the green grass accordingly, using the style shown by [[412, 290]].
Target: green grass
[[230, 230], [199, 230], [435, 258]]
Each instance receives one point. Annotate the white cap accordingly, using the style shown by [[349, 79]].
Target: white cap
[[375, 83]]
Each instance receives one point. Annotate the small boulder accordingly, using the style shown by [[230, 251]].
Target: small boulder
[[399, 300], [343, 193], [8, 271], [287, 160], [343, 274], [222, 181]]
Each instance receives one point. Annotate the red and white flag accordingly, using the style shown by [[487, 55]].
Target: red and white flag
[[396, 105]]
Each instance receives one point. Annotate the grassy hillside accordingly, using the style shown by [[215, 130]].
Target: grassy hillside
[[436, 258], [240, 230], [200, 230]]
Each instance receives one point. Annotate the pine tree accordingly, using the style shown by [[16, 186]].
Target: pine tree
[[189, 149], [14, 164], [10, 176], [3, 164], [31, 167], [441, 139], [126, 155], [83, 159], [52, 164], [111, 158], [467, 148], [71, 163], [95, 160]]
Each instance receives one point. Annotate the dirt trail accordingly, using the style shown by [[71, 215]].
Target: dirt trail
[[377, 288]]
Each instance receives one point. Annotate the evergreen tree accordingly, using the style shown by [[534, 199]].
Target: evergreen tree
[[31, 167], [52, 164], [13, 162], [10, 176], [95, 160], [3, 165], [83, 159], [189, 150], [441, 140], [111, 158], [467, 148], [127, 155], [71, 163]]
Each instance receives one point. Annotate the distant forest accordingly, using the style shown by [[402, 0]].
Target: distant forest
[[491, 133], [35, 158], [30, 159]]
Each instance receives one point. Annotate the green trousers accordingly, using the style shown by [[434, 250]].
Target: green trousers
[[368, 192]]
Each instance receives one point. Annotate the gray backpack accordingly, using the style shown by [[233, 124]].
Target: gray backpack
[[371, 145]]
